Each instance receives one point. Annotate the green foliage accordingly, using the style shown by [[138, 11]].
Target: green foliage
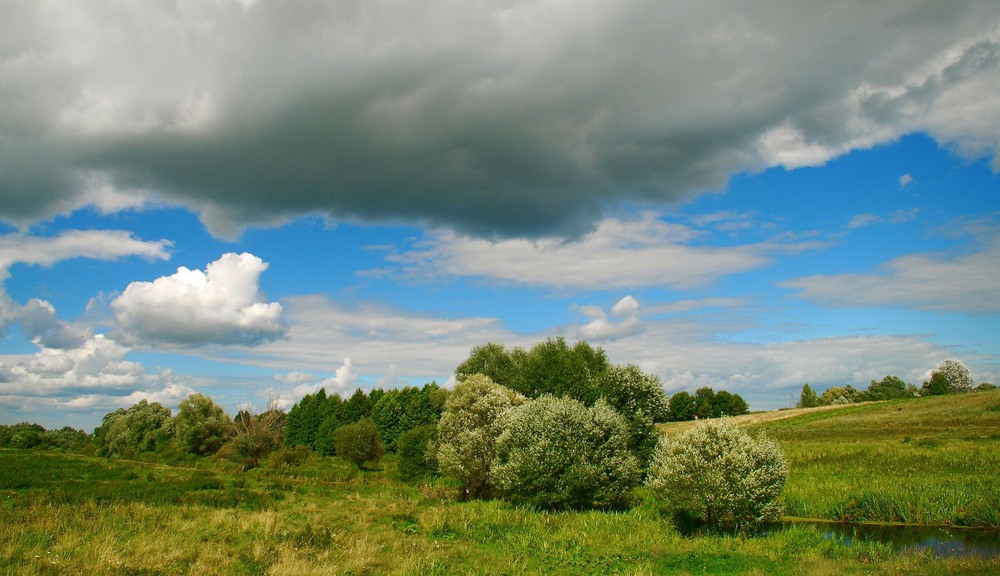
[[557, 453], [494, 361], [808, 398], [201, 425], [257, 435], [358, 442], [144, 427], [323, 442], [938, 385], [706, 403], [27, 436], [475, 414], [681, 407], [416, 452], [889, 388], [718, 474], [550, 367], [629, 390], [400, 410], [358, 406]]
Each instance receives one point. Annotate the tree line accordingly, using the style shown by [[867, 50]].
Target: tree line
[[951, 377], [561, 427]]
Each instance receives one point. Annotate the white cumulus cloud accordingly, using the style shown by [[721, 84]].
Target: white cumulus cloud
[[222, 305]]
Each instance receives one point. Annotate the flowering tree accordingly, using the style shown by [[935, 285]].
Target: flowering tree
[[718, 474], [959, 378], [558, 453]]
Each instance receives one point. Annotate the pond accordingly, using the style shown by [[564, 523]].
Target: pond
[[942, 541]]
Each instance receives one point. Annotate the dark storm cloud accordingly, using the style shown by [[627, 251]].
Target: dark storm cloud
[[511, 118]]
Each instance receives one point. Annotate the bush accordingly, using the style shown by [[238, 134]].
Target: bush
[[475, 414], [257, 435], [557, 453], [416, 450], [358, 442], [719, 476]]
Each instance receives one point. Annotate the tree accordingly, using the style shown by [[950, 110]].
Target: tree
[[416, 452], [323, 443], [493, 360], [938, 385], [739, 406], [889, 388], [716, 474], [681, 407], [640, 399], [201, 425], [834, 395], [704, 400], [630, 390], [358, 406], [402, 409], [358, 442], [475, 414], [959, 378], [144, 427], [808, 397], [557, 453]]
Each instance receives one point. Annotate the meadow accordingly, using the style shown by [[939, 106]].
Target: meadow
[[927, 460]]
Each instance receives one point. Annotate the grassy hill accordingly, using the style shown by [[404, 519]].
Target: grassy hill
[[927, 460], [71, 514]]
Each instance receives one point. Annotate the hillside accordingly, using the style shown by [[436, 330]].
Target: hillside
[[926, 460]]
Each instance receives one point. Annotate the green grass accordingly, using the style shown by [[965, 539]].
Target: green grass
[[924, 461], [68, 514]]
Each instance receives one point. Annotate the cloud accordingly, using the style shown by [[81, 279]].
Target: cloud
[[601, 328], [38, 317], [94, 244], [963, 282], [369, 337], [645, 251], [510, 119], [222, 305], [39, 324]]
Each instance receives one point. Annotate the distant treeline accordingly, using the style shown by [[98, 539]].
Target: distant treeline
[[951, 377]]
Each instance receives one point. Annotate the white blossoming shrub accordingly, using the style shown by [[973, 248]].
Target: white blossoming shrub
[[475, 414], [558, 453], [719, 475]]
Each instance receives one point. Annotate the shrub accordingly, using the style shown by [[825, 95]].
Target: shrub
[[358, 442], [475, 414], [257, 435], [558, 453], [416, 450], [719, 476]]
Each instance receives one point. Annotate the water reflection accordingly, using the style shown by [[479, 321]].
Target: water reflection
[[942, 541]]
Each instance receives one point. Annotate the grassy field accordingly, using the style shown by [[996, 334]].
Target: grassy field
[[925, 461], [69, 514]]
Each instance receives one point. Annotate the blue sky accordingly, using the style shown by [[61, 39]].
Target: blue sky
[[253, 200]]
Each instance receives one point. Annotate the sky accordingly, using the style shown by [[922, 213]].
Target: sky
[[254, 200]]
